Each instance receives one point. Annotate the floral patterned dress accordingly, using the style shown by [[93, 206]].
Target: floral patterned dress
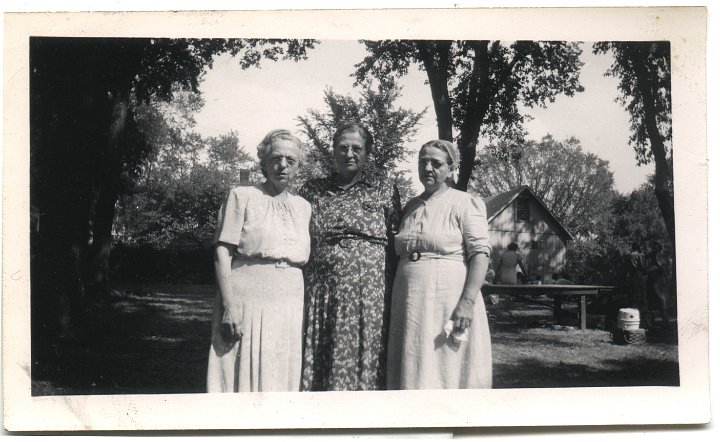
[[348, 283]]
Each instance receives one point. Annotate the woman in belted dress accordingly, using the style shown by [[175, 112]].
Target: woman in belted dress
[[510, 265], [439, 334], [348, 278], [262, 241]]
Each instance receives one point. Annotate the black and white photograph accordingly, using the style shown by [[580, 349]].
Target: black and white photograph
[[222, 218]]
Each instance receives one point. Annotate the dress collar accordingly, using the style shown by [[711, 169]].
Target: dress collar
[[282, 196], [435, 195], [364, 180]]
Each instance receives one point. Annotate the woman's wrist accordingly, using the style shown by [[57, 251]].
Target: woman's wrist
[[226, 303], [467, 298]]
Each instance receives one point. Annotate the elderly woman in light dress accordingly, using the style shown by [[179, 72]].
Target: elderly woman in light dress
[[427, 329], [262, 242], [439, 333]]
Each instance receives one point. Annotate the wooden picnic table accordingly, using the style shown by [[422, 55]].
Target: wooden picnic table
[[558, 293]]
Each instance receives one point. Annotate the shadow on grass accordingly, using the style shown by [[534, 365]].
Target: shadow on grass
[[151, 340], [641, 371], [157, 343], [531, 351]]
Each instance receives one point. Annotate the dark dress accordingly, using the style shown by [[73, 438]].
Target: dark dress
[[655, 285], [348, 283], [635, 280]]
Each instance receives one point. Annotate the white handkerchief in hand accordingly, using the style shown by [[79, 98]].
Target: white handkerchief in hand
[[457, 336]]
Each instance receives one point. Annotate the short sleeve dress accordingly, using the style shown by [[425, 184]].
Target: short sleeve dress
[[348, 283], [436, 239], [272, 243]]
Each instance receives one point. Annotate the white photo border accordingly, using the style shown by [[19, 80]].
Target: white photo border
[[687, 404]]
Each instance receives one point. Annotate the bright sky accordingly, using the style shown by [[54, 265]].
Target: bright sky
[[255, 101]]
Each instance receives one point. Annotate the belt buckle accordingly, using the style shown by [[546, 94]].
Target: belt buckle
[[414, 256], [280, 264]]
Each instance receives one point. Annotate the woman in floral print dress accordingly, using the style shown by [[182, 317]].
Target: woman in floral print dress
[[348, 278]]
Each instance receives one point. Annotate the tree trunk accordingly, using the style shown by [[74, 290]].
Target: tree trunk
[[61, 188], [71, 123], [64, 236], [478, 103], [665, 198], [108, 191], [657, 145], [99, 256], [435, 57]]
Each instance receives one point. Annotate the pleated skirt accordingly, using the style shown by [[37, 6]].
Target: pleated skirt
[[268, 356], [420, 356]]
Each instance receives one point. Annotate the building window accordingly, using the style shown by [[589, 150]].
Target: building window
[[537, 244], [522, 209]]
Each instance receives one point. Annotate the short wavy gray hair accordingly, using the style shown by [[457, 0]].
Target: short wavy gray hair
[[265, 146]]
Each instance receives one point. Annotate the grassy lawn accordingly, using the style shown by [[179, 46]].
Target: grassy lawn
[[153, 340], [529, 351], [156, 340]]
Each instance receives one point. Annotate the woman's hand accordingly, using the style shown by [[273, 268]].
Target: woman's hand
[[465, 310], [463, 314], [231, 324]]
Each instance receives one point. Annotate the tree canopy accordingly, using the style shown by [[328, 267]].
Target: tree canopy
[[633, 218], [87, 146], [181, 185], [576, 186], [479, 86], [643, 69]]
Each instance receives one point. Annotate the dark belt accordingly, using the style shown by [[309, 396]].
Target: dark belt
[[279, 263], [348, 242], [417, 256]]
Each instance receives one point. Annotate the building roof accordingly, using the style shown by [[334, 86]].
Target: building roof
[[497, 203]]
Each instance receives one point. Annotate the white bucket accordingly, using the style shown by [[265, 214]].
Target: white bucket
[[628, 319]]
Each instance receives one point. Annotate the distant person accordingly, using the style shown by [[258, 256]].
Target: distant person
[[490, 279], [522, 278], [537, 280], [506, 271], [557, 279], [261, 243], [635, 277], [656, 284]]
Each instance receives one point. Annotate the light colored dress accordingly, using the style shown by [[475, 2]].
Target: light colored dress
[[272, 239], [446, 230], [509, 267]]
